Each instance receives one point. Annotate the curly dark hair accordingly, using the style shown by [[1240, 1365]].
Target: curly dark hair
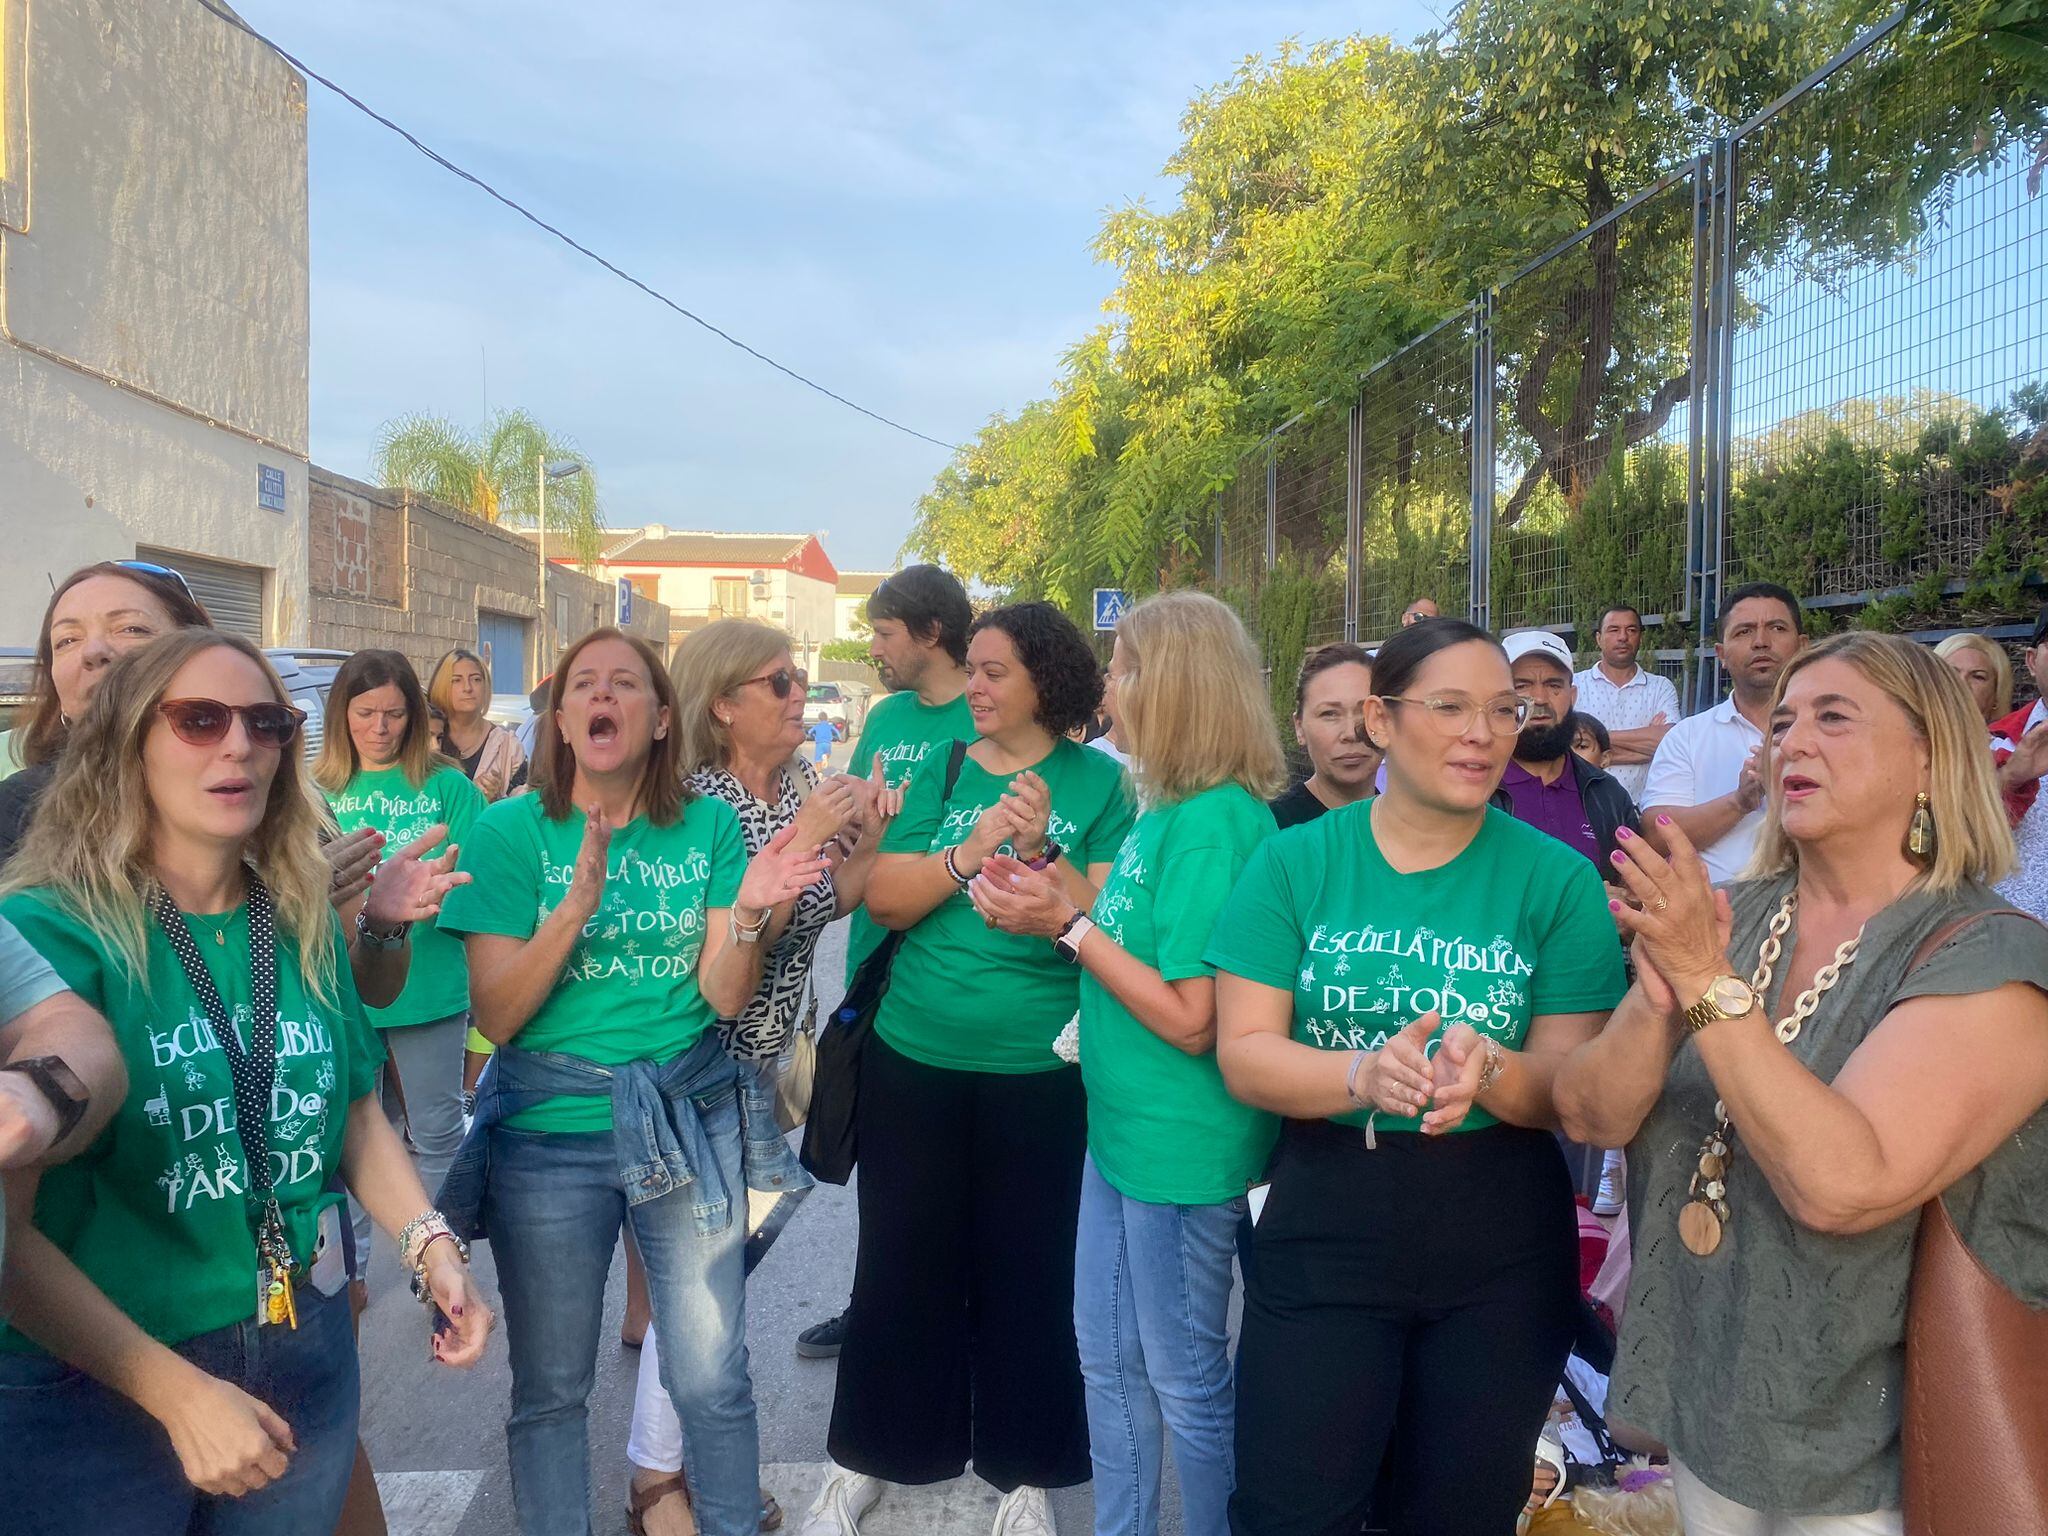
[[1062, 666]]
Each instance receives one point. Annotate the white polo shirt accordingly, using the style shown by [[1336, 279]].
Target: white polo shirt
[[1625, 707], [1700, 760], [2027, 886]]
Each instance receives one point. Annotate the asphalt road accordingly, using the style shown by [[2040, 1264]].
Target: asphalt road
[[437, 1436]]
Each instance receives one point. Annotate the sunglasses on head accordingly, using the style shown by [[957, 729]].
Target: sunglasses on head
[[203, 722], [779, 682], [161, 572]]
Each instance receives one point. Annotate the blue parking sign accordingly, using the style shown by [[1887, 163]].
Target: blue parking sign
[[1110, 606]]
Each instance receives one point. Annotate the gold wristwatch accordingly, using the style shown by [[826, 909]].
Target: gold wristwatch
[[1727, 997]]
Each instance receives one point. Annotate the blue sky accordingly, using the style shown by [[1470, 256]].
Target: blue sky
[[896, 199]]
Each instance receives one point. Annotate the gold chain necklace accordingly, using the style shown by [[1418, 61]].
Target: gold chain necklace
[[217, 926], [1705, 1215]]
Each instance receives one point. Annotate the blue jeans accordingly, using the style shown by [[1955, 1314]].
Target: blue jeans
[[553, 1206], [80, 1457], [1151, 1314]]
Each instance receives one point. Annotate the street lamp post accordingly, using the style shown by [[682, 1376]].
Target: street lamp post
[[543, 472]]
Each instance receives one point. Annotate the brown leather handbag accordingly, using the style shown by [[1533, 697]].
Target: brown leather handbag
[[1975, 1438]]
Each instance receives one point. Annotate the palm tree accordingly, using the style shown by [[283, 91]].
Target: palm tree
[[490, 474]]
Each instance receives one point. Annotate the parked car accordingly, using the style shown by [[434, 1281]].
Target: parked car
[[17, 691], [825, 701], [308, 674]]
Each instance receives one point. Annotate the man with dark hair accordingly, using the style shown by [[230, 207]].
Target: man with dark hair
[[1635, 704], [919, 617], [1705, 775], [1547, 784]]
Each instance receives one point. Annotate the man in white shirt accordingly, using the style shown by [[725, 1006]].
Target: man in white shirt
[[1705, 775], [1635, 704], [2027, 732]]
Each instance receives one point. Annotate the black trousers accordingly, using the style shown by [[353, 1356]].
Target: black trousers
[[1413, 1306], [960, 1338]]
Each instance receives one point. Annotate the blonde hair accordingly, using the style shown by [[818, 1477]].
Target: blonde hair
[[339, 762], [1191, 705], [1972, 838], [441, 687], [709, 664], [2001, 666], [90, 844]]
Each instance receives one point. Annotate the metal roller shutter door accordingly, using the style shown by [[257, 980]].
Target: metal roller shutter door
[[233, 594]]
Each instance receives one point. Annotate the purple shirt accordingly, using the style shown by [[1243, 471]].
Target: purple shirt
[[1553, 808]]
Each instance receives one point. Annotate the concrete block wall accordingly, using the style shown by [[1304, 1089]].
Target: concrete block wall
[[397, 570]]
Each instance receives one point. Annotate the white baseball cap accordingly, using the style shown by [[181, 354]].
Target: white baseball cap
[[1538, 642]]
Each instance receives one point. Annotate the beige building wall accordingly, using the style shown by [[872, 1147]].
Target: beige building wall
[[400, 571], [153, 298]]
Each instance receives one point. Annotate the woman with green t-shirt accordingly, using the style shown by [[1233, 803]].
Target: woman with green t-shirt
[[378, 769], [178, 1354], [1170, 1153], [613, 920], [1401, 979], [960, 1339]]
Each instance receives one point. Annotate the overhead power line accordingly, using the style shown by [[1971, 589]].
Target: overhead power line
[[567, 239]]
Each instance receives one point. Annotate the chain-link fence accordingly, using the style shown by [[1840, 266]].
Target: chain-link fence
[[1817, 356]]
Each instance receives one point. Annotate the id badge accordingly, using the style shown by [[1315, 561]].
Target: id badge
[[328, 1272]]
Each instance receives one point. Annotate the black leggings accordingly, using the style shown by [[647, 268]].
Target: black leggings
[[1411, 1305], [960, 1337]]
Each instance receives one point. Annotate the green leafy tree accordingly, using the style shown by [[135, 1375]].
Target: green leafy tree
[[492, 474], [851, 651], [1336, 200]]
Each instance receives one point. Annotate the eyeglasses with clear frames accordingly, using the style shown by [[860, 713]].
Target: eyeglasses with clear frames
[[1453, 714]]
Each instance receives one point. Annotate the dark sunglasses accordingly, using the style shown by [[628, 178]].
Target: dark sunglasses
[[162, 572], [779, 682], [203, 722]]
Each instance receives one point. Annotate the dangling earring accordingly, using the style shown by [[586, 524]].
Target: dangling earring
[[1920, 831]]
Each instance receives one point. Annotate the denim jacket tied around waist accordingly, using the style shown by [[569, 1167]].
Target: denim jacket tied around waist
[[657, 1134]]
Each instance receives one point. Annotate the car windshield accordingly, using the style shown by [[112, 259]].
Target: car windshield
[[822, 691]]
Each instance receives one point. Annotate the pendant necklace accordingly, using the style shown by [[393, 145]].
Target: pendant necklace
[[1704, 1217]]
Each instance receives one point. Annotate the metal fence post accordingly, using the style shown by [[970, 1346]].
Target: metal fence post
[[1354, 517], [1718, 425], [1217, 554], [1480, 598], [1272, 505]]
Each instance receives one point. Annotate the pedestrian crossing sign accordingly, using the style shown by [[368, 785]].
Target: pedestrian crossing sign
[[1110, 607]]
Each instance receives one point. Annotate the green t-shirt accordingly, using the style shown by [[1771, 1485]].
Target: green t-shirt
[[629, 991], [901, 730], [1515, 926], [964, 995], [437, 979], [156, 1210], [1161, 1125]]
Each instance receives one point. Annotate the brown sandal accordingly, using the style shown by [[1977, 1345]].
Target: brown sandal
[[771, 1512], [640, 1500]]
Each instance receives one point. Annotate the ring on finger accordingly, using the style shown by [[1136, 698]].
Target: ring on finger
[[1660, 903]]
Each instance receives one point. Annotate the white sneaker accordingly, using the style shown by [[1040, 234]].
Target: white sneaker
[[1613, 1185], [1023, 1512], [842, 1499]]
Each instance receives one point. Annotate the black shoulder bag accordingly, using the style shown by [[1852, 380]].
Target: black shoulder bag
[[830, 1149]]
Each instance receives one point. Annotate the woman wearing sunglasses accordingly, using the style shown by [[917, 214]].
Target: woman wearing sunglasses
[[378, 769], [97, 615], [1400, 979], [614, 919], [739, 717], [178, 1355]]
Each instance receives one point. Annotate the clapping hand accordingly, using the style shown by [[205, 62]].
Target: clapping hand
[[1012, 896], [586, 880], [833, 804], [780, 872], [1454, 1071], [409, 887], [352, 858], [1028, 800], [1680, 923]]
